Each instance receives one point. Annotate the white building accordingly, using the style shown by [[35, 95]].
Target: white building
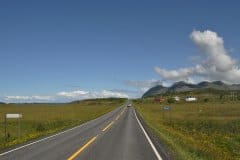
[[190, 99], [177, 98]]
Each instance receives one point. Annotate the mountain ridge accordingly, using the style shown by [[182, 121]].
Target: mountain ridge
[[182, 86]]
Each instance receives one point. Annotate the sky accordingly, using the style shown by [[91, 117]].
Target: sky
[[59, 51]]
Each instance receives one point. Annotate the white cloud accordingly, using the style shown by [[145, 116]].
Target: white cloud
[[180, 74], [73, 94], [217, 64], [79, 94], [107, 94], [65, 96], [212, 46], [18, 97], [28, 98]]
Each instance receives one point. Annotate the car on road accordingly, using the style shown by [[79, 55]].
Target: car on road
[[129, 105]]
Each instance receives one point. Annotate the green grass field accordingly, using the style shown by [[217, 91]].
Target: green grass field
[[44, 119], [195, 131]]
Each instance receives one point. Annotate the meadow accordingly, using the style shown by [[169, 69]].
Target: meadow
[[195, 130], [44, 119]]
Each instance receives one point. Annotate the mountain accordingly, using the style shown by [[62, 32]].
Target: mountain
[[181, 87], [159, 89], [184, 87]]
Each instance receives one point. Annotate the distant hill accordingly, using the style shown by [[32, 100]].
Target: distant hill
[[99, 100], [184, 87]]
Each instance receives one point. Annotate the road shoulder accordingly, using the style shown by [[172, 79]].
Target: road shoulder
[[161, 148]]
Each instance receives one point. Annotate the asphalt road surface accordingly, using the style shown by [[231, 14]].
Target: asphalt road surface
[[117, 135]]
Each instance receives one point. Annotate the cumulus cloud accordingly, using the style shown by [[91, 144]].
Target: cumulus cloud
[[217, 64], [80, 94], [66, 96], [181, 73], [107, 94], [29, 98], [73, 94], [212, 46]]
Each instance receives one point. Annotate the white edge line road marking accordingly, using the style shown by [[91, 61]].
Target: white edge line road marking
[[149, 140], [29, 144]]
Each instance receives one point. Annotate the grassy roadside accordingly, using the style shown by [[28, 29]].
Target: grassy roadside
[[44, 119], [196, 131]]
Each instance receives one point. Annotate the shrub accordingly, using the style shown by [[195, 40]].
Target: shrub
[[170, 100], [238, 97], [40, 127], [8, 135], [221, 96], [205, 99]]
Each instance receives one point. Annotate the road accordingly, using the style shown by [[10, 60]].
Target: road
[[116, 135]]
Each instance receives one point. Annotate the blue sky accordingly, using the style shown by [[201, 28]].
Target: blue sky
[[64, 50]]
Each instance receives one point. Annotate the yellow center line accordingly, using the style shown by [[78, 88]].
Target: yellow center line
[[109, 125], [117, 117], [120, 115], [82, 148]]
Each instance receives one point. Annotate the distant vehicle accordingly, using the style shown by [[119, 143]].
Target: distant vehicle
[[129, 105]]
